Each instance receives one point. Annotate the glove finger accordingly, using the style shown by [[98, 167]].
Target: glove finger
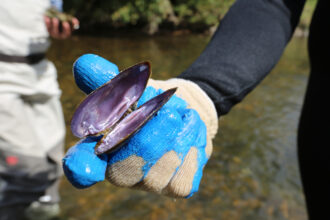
[[127, 172], [91, 71], [161, 173], [82, 167], [182, 182], [187, 178]]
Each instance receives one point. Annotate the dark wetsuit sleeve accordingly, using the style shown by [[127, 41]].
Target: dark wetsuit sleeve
[[248, 43]]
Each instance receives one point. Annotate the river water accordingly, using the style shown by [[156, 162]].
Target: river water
[[253, 172]]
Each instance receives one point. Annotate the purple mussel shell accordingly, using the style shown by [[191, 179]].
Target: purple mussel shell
[[132, 123], [104, 107]]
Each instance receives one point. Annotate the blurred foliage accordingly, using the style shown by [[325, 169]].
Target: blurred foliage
[[307, 14], [151, 14], [198, 15]]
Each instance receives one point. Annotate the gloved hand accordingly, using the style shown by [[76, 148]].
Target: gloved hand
[[166, 156]]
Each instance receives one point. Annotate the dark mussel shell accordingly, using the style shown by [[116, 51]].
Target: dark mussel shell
[[108, 110], [104, 107], [132, 123]]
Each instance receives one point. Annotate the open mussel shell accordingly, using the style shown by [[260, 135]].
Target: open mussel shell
[[104, 107], [132, 123]]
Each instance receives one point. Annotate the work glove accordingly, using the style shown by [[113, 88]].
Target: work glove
[[166, 156]]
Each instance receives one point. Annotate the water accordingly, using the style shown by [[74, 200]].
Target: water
[[253, 171]]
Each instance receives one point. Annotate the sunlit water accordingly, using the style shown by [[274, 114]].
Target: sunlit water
[[253, 172]]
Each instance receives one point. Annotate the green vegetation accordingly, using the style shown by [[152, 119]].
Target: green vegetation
[[307, 14], [152, 15], [149, 14]]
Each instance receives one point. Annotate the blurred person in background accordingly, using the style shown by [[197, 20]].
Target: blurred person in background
[[31, 121]]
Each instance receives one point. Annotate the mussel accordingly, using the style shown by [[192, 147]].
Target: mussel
[[62, 17], [110, 111]]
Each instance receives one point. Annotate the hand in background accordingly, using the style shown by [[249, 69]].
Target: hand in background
[[60, 29]]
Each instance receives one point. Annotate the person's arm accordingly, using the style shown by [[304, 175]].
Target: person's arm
[[248, 43]]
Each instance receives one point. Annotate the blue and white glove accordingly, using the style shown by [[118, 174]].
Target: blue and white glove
[[166, 156]]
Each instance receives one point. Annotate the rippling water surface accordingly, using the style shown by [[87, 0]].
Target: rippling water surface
[[253, 172]]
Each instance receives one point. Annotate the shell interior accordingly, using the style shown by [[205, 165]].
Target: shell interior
[[104, 107]]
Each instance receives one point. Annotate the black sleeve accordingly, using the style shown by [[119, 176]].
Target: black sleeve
[[248, 43]]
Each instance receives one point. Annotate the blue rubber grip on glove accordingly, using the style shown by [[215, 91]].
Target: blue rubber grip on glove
[[82, 167], [92, 71]]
